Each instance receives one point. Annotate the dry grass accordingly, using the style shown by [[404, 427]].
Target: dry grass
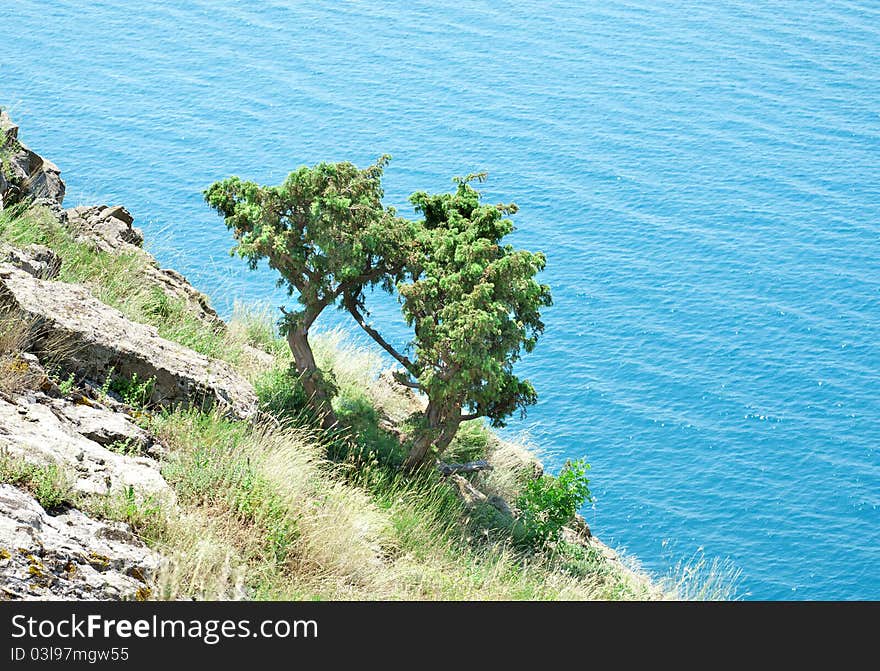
[[514, 464], [700, 578], [199, 560], [266, 516]]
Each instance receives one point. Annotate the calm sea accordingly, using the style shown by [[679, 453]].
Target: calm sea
[[704, 178]]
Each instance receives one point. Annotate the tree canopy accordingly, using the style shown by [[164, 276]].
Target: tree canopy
[[326, 232], [474, 306], [472, 301]]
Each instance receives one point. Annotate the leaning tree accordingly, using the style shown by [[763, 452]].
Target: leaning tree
[[326, 232], [474, 306]]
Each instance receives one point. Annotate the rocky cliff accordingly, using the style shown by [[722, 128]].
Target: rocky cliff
[[23, 173]]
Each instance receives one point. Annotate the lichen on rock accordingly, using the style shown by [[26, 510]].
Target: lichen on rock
[[68, 556]]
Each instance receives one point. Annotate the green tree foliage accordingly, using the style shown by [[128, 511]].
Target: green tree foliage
[[326, 232], [474, 306]]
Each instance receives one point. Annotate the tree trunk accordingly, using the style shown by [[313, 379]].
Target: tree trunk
[[429, 443], [310, 375]]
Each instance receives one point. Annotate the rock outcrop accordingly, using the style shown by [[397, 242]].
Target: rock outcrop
[[36, 260], [82, 335], [35, 429], [90, 440], [103, 426], [23, 173], [68, 556], [110, 229]]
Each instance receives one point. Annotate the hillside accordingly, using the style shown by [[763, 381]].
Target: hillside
[[150, 450]]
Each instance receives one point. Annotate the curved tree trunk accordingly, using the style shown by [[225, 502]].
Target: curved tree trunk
[[429, 443], [310, 375]]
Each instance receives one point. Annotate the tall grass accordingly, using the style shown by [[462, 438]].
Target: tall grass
[[286, 523], [700, 578]]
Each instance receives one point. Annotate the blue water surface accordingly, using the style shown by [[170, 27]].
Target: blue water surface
[[704, 178]]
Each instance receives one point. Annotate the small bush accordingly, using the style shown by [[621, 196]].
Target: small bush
[[66, 386], [127, 447], [134, 391], [48, 484], [364, 439], [547, 504]]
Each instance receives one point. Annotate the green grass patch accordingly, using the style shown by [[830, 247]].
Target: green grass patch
[[211, 468], [281, 394], [146, 515], [471, 443]]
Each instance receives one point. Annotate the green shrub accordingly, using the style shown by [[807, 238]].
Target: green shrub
[[126, 446], [66, 386], [134, 391], [549, 503], [48, 484]]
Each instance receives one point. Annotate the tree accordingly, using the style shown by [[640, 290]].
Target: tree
[[326, 232], [474, 306]]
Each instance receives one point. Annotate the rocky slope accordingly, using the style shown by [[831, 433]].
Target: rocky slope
[[24, 173], [88, 436], [68, 556]]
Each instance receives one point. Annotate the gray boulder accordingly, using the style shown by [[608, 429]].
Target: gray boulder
[[24, 173], [102, 425], [108, 228], [68, 556], [82, 335]]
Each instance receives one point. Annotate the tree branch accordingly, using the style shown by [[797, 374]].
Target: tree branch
[[400, 378], [366, 277], [468, 467], [467, 418], [374, 334]]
